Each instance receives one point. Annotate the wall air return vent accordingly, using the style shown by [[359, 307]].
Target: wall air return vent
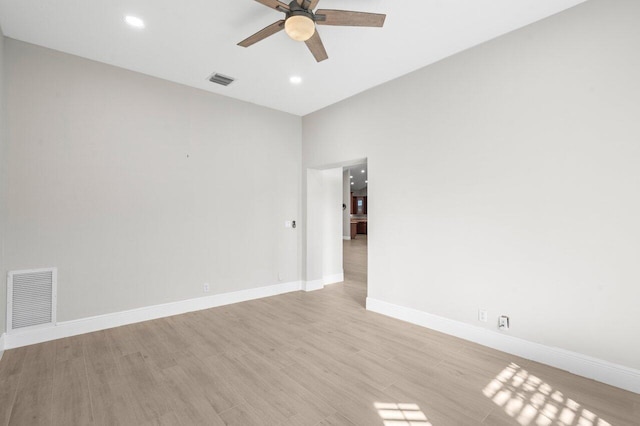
[[31, 298], [221, 79]]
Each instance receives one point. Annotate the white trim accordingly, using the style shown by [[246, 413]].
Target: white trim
[[326, 280], [313, 285], [116, 319], [593, 368], [332, 279], [346, 237]]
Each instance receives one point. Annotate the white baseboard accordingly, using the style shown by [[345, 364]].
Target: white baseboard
[[583, 365], [332, 279], [116, 319], [346, 237], [313, 285], [319, 284]]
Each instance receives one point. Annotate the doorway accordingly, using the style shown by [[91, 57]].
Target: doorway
[[355, 231], [330, 255]]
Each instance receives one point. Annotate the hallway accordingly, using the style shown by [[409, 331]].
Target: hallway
[[355, 268]]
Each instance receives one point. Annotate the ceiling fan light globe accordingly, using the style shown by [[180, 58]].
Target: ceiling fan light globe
[[299, 27]]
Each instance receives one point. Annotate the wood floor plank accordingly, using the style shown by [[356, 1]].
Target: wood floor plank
[[243, 415], [33, 401], [167, 419], [439, 403], [318, 382], [71, 398], [188, 406], [109, 405], [10, 369], [298, 359], [33, 404], [143, 386], [206, 378], [306, 407], [359, 408], [272, 403], [69, 348], [335, 420]]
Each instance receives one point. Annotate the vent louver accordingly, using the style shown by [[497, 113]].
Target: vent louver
[[221, 79], [31, 298]]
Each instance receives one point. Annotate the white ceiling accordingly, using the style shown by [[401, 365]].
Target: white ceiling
[[358, 177], [186, 41]]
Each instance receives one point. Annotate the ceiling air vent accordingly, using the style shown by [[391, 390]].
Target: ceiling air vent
[[221, 79], [31, 298]]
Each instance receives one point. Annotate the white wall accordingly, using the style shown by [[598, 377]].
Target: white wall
[[520, 180], [332, 184], [323, 225], [314, 226], [140, 190], [346, 200]]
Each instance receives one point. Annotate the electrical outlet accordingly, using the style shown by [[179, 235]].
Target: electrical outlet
[[503, 322], [205, 288], [482, 315]]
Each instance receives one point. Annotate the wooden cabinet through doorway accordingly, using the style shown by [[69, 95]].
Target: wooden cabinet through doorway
[[362, 228], [353, 204], [358, 204]]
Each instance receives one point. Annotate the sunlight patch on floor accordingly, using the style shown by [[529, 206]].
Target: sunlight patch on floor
[[401, 414], [531, 401]]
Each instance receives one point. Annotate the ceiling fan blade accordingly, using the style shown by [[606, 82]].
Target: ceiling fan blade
[[274, 4], [263, 33], [316, 47], [349, 18]]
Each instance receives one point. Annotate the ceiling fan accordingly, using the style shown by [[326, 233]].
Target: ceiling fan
[[300, 23]]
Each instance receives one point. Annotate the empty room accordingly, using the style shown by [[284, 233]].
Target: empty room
[[320, 212]]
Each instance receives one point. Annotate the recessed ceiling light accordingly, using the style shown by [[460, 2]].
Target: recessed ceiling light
[[351, 177], [366, 181], [351, 183], [134, 21], [295, 79], [361, 171]]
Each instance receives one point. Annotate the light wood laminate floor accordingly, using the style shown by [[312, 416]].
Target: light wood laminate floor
[[297, 359]]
